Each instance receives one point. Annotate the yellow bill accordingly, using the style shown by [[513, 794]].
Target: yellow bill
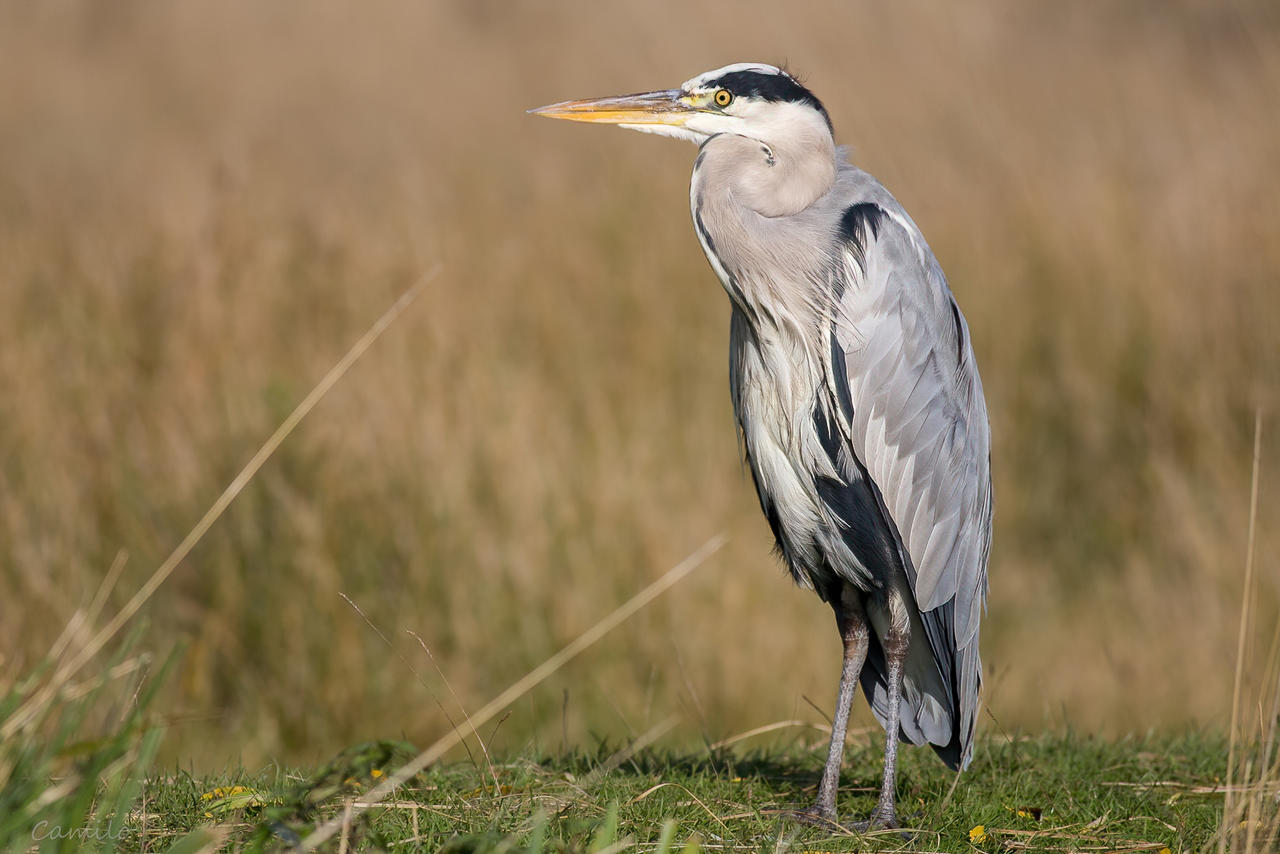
[[668, 107]]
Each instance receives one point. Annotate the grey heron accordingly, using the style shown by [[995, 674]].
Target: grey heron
[[856, 395]]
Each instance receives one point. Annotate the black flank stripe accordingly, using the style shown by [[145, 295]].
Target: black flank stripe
[[955, 315], [859, 225]]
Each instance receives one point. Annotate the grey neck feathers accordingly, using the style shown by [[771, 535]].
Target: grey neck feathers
[[761, 218], [775, 177]]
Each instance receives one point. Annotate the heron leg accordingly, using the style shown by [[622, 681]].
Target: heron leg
[[895, 652], [851, 620]]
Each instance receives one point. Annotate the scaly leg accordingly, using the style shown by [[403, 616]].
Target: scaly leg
[[852, 622], [895, 652]]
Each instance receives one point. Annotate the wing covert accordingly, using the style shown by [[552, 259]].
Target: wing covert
[[918, 426]]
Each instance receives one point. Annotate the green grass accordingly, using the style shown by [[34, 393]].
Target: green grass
[[197, 217], [1060, 792]]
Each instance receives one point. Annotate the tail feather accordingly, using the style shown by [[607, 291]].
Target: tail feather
[[931, 711]]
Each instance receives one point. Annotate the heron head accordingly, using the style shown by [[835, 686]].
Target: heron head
[[752, 100]]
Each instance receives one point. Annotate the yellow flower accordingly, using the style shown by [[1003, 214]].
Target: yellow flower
[[223, 792], [375, 773], [978, 834]]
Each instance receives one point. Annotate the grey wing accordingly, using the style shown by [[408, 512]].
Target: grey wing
[[919, 428]]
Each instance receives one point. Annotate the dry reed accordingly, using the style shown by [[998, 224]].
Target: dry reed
[[200, 204]]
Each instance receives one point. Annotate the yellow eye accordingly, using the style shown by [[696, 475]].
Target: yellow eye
[[723, 97]]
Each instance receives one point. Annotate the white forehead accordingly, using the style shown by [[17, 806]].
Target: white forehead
[[701, 81]]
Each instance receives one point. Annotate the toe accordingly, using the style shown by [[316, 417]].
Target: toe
[[816, 816], [881, 821]]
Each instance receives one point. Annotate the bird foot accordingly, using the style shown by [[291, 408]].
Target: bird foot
[[881, 821], [877, 822], [815, 816]]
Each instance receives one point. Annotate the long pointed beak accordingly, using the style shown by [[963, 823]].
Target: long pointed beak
[[668, 107]]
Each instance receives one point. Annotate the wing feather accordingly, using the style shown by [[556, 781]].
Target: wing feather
[[920, 430]]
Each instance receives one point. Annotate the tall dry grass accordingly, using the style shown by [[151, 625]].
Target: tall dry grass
[[202, 205]]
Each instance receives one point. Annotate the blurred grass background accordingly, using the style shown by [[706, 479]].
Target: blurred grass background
[[203, 204]]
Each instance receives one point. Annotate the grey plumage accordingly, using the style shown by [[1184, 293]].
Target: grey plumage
[[902, 462], [856, 394]]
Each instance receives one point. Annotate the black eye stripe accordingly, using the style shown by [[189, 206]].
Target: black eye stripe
[[768, 87]]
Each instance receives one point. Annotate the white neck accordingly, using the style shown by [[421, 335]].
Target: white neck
[[787, 164]]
